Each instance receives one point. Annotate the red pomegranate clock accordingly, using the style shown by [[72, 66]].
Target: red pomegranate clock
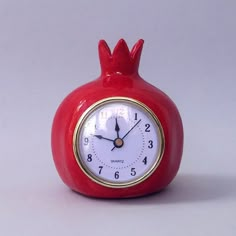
[[117, 136]]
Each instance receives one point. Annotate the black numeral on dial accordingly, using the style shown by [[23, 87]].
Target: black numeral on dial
[[133, 172], [147, 129], [100, 169], [89, 158], [103, 115], [86, 141], [145, 161], [117, 176], [150, 144]]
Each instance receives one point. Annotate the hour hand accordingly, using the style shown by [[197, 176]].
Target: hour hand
[[117, 128], [101, 137]]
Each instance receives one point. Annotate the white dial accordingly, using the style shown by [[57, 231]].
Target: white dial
[[118, 142]]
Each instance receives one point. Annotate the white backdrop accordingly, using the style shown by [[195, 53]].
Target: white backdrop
[[49, 47]]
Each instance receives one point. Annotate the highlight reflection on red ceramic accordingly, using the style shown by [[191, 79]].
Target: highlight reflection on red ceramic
[[119, 78]]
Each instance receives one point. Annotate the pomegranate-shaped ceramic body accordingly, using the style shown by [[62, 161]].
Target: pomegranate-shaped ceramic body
[[117, 136]]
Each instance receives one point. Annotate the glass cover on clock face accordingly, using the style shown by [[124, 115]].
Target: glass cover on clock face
[[118, 142]]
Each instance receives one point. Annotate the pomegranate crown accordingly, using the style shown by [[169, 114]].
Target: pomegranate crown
[[121, 61]]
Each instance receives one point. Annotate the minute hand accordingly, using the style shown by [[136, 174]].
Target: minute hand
[[131, 129]]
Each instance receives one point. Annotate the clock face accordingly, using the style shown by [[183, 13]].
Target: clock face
[[118, 142]]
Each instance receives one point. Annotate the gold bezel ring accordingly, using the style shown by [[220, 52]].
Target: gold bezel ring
[[81, 122]]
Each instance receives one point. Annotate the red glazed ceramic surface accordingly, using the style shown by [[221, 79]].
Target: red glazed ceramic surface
[[119, 78]]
